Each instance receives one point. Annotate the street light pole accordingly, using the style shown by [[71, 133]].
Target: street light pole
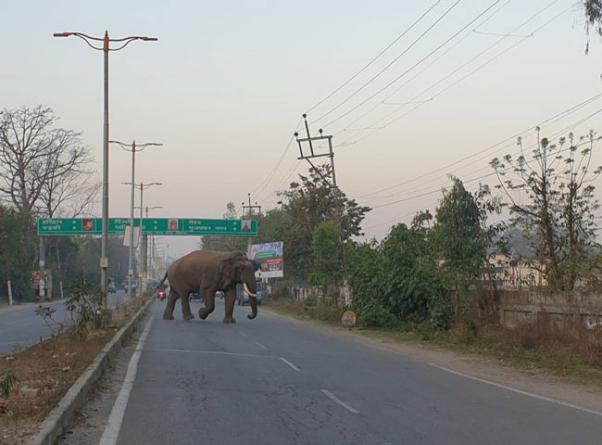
[[142, 262], [104, 243], [150, 258], [133, 148], [106, 47]]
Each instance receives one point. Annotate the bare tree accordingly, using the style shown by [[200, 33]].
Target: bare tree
[[41, 166], [72, 195], [558, 217]]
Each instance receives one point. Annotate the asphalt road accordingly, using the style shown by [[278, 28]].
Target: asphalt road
[[21, 327], [274, 381]]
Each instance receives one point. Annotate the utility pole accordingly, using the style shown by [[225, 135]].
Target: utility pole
[[148, 258], [105, 48], [142, 262], [133, 148], [250, 208], [314, 153]]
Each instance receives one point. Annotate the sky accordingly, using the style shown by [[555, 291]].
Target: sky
[[225, 85]]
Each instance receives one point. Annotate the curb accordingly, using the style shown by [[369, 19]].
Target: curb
[[62, 415]]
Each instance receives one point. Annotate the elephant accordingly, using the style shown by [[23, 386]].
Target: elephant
[[209, 272]]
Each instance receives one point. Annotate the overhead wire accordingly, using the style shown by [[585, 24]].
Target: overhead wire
[[469, 181], [429, 65], [271, 174], [381, 124], [375, 58], [554, 135], [478, 68], [380, 72], [489, 148], [396, 79]]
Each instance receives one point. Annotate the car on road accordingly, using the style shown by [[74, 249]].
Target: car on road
[[243, 298], [196, 296]]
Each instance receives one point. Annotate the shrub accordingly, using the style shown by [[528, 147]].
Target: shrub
[[375, 315]]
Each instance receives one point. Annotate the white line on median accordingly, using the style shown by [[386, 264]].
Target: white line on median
[[518, 391], [338, 401], [261, 346], [290, 364], [111, 432]]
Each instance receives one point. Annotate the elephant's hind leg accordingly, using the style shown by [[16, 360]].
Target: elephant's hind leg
[[184, 301], [169, 307]]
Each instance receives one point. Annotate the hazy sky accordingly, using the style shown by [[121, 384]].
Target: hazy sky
[[225, 85]]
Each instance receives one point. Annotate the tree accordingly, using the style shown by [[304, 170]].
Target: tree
[[15, 259], [37, 160], [558, 217], [308, 203], [593, 18], [225, 243], [326, 248], [461, 235]]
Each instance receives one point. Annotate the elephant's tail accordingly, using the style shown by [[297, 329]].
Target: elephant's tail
[[160, 284]]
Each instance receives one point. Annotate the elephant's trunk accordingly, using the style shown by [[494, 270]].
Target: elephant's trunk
[[253, 301]]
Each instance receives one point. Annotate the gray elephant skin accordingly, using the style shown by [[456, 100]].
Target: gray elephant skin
[[209, 272]]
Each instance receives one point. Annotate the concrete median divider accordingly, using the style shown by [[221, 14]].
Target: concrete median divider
[[60, 419]]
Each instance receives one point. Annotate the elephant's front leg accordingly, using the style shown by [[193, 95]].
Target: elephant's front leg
[[229, 299], [209, 295], [186, 314]]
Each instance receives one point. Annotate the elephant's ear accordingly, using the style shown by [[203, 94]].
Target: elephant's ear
[[229, 267]]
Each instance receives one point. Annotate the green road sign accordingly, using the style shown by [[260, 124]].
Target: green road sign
[[150, 226]]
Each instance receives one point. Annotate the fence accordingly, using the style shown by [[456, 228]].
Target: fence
[[550, 310]]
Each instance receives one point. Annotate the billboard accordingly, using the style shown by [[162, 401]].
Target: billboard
[[270, 257]]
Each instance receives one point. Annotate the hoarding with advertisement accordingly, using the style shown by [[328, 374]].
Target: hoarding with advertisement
[[270, 257]]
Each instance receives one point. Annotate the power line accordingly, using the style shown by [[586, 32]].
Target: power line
[[554, 135], [381, 124], [271, 174], [512, 138], [480, 67], [369, 81], [453, 36], [447, 51], [469, 181], [344, 84]]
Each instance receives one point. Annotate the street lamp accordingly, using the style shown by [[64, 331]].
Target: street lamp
[[133, 148], [142, 263], [106, 47]]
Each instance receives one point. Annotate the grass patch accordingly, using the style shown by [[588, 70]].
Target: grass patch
[[575, 358], [33, 380]]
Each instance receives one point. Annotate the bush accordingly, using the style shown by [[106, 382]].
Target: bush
[[440, 311], [375, 315]]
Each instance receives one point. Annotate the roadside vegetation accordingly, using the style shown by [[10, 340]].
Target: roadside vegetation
[[32, 381], [438, 278]]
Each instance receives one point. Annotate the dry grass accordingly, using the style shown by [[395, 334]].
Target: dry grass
[[45, 371]]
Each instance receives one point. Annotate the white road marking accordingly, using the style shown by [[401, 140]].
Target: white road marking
[[198, 351], [519, 391], [261, 346], [338, 401], [244, 334], [290, 364], [111, 432]]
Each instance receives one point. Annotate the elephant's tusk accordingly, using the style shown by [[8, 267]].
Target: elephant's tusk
[[251, 294]]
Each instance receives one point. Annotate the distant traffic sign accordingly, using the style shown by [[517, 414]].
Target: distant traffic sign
[[150, 226]]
